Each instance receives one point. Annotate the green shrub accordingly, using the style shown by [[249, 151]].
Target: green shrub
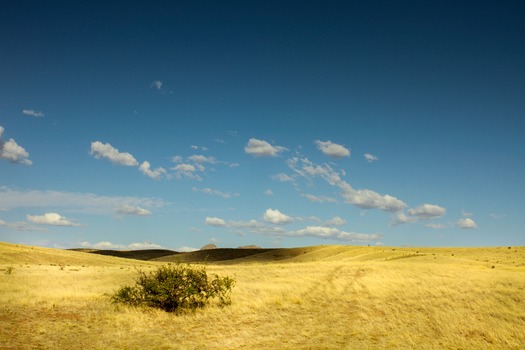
[[175, 287]]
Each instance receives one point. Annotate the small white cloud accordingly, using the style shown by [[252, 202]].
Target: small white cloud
[[156, 174], [105, 150], [12, 152], [186, 249], [370, 157], [436, 226], [336, 221], [157, 84], [332, 149], [214, 221], [427, 211], [319, 199], [132, 210], [334, 233], [274, 216], [368, 199], [33, 113], [283, 177], [268, 192], [177, 159], [261, 148], [466, 223], [143, 245], [103, 245], [202, 148], [186, 170], [52, 219], [419, 213], [215, 192], [497, 216], [202, 159]]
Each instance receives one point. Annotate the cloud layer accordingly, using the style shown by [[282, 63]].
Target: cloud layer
[[75, 202], [275, 219]]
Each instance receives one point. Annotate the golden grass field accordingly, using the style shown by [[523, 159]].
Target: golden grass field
[[326, 297]]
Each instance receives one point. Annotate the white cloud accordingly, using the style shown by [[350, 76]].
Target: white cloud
[[324, 232], [274, 216], [268, 192], [186, 170], [370, 157], [22, 226], [189, 167], [157, 84], [261, 148], [214, 221], [104, 245], [427, 211], [336, 221], [366, 199], [419, 213], [177, 159], [334, 233], [186, 249], [202, 148], [105, 150], [132, 210], [283, 177], [332, 149], [466, 223], [156, 174], [53, 219], [12, 152], [33, 113], [197, 158], [215, 192], [319, 199], [436, 226], [75, 202], [497, 216]]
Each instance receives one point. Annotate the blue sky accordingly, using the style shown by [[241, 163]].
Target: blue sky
[[275, 123]]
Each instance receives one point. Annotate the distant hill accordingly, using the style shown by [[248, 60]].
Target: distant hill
[[143, 254], [488, 257], [214, 255]]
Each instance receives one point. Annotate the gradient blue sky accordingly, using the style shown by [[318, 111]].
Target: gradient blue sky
[[128, 124]]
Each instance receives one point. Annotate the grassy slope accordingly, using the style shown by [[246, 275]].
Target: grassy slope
[[329, 297]]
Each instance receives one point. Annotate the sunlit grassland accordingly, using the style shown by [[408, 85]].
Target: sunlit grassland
[[330, 297]]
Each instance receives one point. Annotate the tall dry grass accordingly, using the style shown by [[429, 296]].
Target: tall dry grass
[[330, 298]]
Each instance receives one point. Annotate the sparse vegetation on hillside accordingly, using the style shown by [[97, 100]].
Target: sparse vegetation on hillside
[[175, 287]]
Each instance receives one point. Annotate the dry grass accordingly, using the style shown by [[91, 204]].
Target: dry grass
[[320, 298]]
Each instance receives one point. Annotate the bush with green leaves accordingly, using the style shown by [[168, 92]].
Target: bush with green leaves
[[176, 287]]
